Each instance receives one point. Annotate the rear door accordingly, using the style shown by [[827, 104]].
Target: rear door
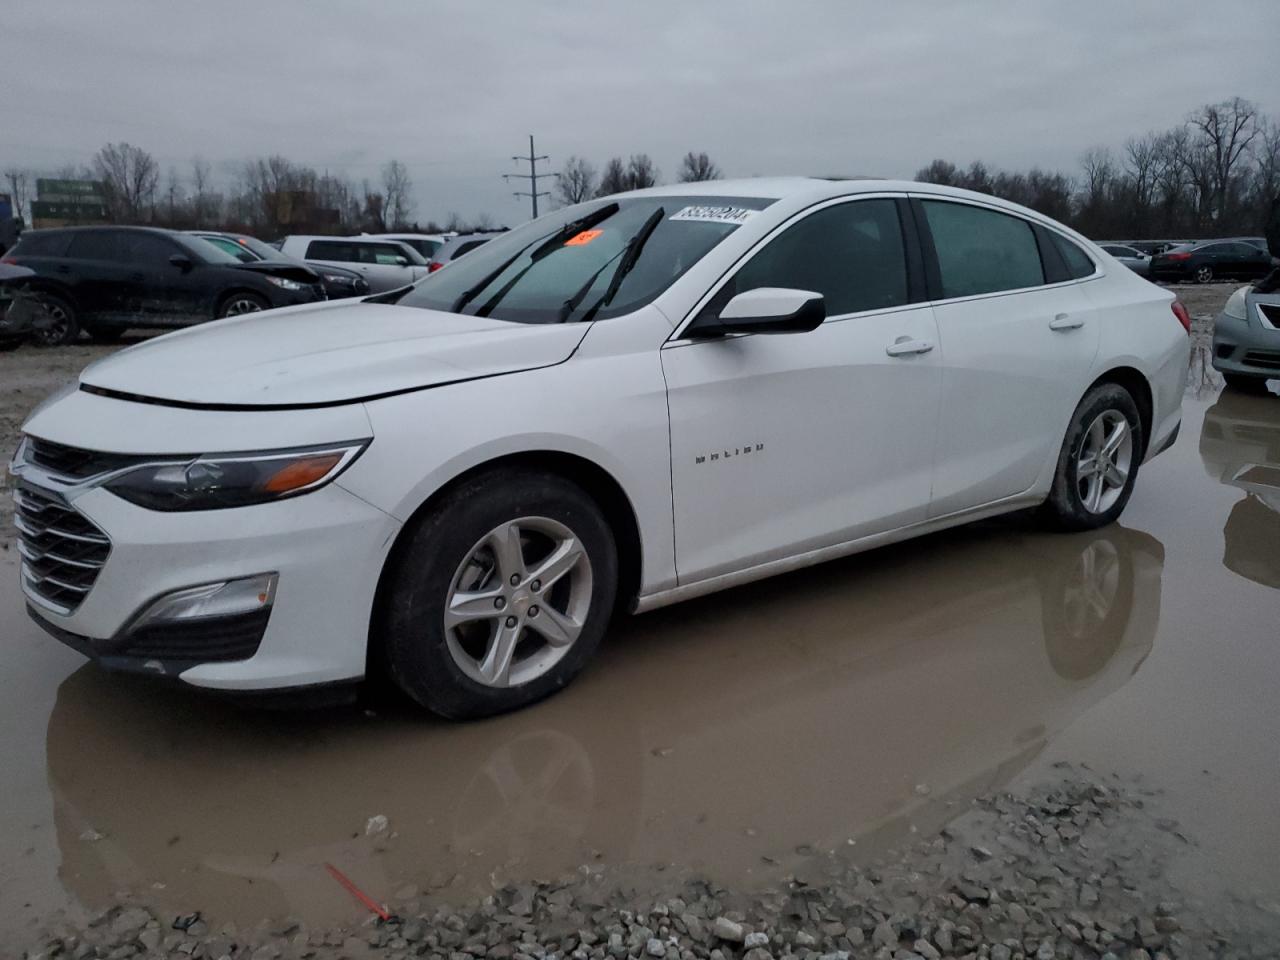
[[1018, 337], [385, 265], [96, 271]]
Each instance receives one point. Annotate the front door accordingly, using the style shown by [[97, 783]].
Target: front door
[[166, 294], [787, 443]]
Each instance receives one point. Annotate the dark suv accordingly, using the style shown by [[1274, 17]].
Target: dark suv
[[1211, 260], [104, 280]]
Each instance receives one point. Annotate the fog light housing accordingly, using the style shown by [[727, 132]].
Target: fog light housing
[[225, 598]]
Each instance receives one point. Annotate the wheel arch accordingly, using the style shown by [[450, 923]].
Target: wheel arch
[[595, 480], [40, 284], [1139, 387]]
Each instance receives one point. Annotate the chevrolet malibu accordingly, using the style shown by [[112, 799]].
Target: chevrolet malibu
[[618, 406]]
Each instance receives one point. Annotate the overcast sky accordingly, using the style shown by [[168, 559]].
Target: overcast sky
[[454, 89]]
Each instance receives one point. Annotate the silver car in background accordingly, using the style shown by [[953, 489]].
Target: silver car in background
[[1135, 260], [386, 264]]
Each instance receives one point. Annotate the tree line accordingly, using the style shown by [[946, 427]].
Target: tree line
[[266, 196], [1216, 174]]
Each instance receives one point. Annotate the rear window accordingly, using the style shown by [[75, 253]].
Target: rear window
[[1079, 264], [423, 246], [466, 247], [40, 244], [331, 250], [982, 251]]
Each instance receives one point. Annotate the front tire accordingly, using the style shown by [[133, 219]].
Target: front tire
[[238, 304], [499, 595], [1099, 461]]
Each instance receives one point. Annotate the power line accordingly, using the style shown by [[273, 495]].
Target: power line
[[533, 177]]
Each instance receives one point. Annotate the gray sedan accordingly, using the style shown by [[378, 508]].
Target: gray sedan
[[1246, 340], [1135, 260]]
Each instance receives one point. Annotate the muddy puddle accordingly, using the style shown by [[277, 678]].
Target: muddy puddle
[[845, 707]]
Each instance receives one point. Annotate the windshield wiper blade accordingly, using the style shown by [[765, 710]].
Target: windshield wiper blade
[[545, 247], [635, 246]]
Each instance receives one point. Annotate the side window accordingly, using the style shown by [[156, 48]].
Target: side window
[[468, 247], [147, 250], [42, 244], [330, 250], [385, 254], [97, 245], [1079, 264], [981, 250], [852, 254]]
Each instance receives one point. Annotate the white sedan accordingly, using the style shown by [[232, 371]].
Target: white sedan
[[626, 403]]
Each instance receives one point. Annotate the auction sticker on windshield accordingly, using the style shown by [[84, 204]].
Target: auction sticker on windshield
[[704, 214], [585, 237]]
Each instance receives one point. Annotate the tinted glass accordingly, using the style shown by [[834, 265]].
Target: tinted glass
[[148, 250], [41, 244], [982, 251], [231, 247], [97, 245], [568, 265], [424, 247], [467, 247], [1078, 262], [331, 250], [852, 254], [387, 254]]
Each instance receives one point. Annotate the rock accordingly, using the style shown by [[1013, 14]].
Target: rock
[[655, 947], [1047, 950], [805, 939], [130, 921], [982, 853], [415, 931], [926, 949], [1001, 952], [728, 930], [754, 940], [149, 938], [884, 935], [375, 825], [759, 953]]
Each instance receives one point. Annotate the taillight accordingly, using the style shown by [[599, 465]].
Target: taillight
[[1180, 312], [12, 261], [1177, 256], [433, 266]]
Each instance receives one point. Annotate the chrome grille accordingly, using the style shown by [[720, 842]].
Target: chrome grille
[[62, 552]]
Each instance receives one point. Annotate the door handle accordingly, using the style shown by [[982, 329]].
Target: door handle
[[1064, 321], [906, 347]]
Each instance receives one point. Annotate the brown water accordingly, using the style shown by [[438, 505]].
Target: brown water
[[859, 701]]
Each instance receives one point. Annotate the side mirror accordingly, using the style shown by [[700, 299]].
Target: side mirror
[[402, 261], [766, 310], [181, 261]]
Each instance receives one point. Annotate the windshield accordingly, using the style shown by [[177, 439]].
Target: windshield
[[207, 251], [263, 251], [591, 261]]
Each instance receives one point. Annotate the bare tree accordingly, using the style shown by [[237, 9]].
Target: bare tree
[[576, 181], [939, 171], [397, 192], [373, 215], [204, 202], [641, 172], [614, 179], [129, 177], [1141, 155], [698, 166], [1225, 131], [19, 184], [1267, 164], [484, 222]]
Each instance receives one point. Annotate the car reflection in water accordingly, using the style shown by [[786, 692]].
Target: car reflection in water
[[859, 699], [1240, 446]]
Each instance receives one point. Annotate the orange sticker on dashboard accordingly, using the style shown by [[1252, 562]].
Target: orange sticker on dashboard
[[585, 237]]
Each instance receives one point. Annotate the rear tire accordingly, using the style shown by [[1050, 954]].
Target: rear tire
[[476, 557], [1099, 461], [1204, 274], [1243, 383], [65, 327]]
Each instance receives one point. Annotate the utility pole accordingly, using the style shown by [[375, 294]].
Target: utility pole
[[533, 177]]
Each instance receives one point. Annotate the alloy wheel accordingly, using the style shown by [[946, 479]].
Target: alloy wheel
[[240, 306], [518, 601], [57, 326], [1204, 274], [1103, 461]]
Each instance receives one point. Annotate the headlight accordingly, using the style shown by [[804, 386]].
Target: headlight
[[285, 283], [1236, 306], [217, 481]]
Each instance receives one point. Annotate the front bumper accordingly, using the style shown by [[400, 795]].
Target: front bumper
[[327, 547], [1246, 347]]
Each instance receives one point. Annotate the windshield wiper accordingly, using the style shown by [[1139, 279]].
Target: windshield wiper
[[545, 247], [635, 246]]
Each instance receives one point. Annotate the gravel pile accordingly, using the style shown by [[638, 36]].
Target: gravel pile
[[1072, 870]]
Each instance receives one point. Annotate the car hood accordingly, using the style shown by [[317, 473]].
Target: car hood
[[325, 354], [281, 268]]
